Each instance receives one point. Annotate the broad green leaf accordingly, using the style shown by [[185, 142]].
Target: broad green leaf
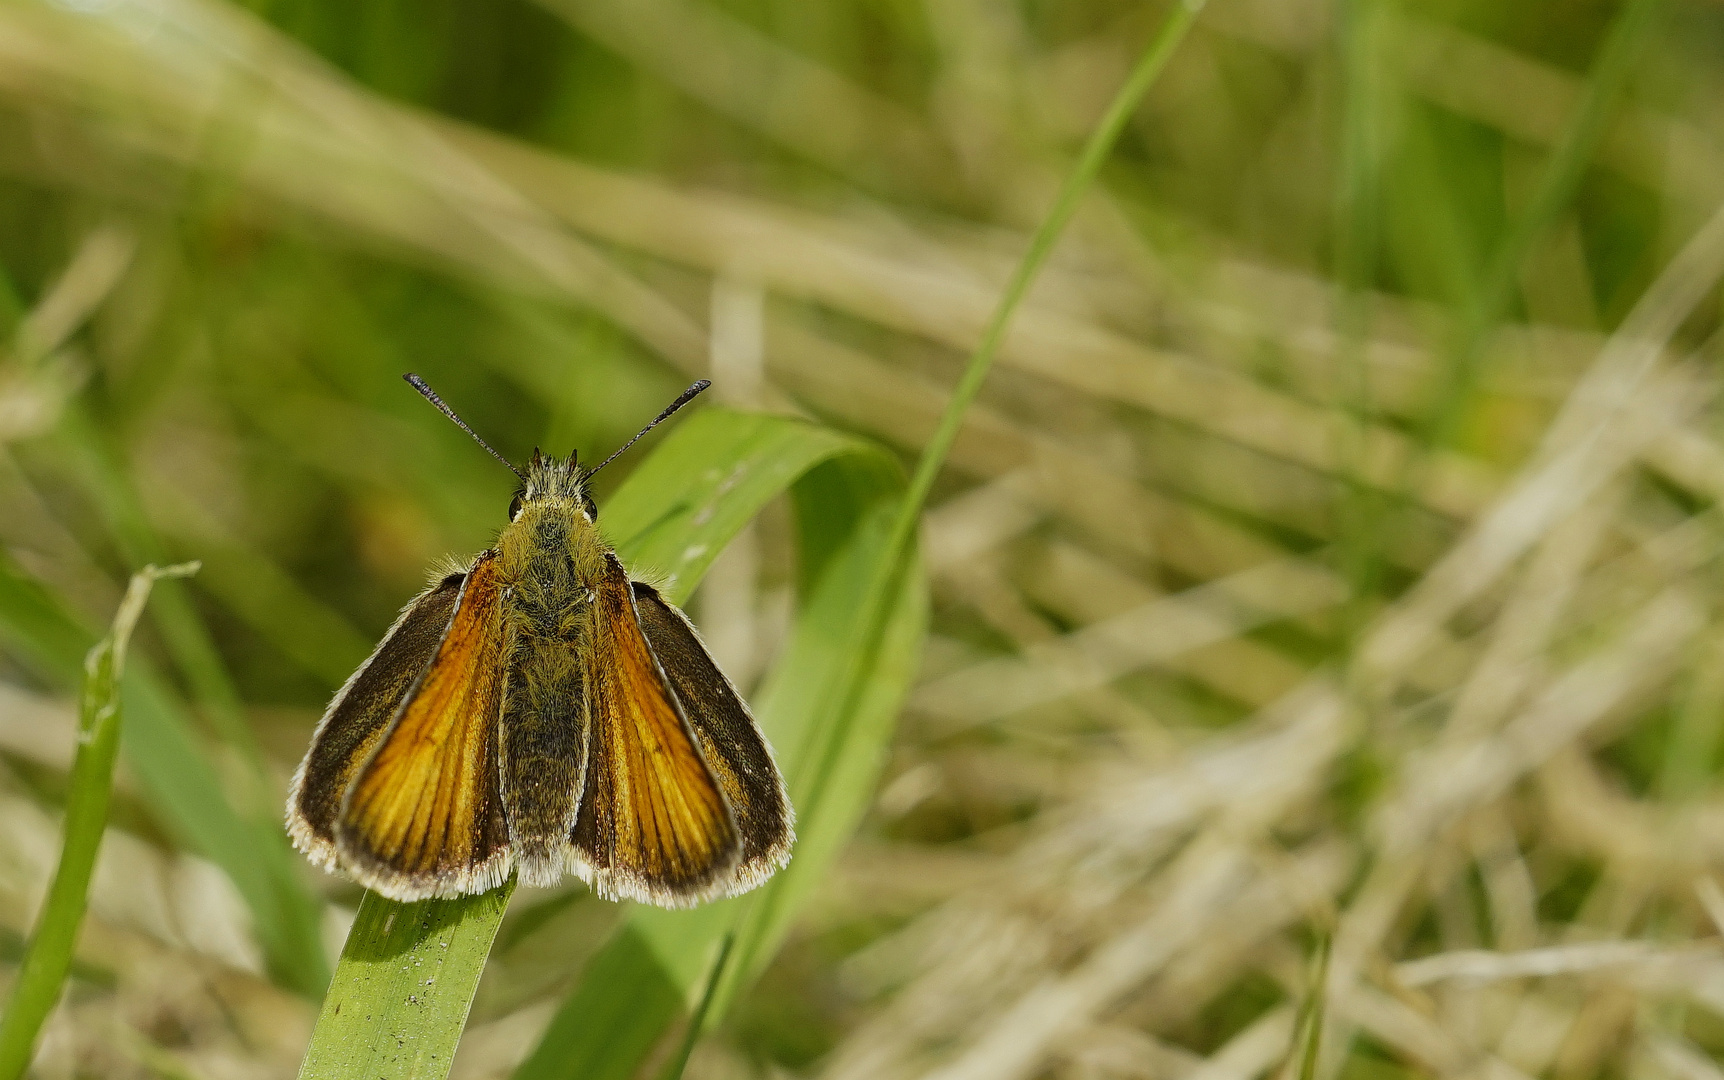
[[831, 741], [676, 512], [407, 976], [179, 781], [669, 520]]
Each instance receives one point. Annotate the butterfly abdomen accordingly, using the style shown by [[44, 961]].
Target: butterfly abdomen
[[543, 724]]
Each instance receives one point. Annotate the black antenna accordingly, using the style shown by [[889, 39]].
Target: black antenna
[[687, 396], [431, 395]]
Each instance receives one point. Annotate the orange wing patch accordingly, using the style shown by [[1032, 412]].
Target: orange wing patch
[[653, 823], [424, 818]]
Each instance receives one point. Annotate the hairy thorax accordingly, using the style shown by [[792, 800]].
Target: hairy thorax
[[550, 558]]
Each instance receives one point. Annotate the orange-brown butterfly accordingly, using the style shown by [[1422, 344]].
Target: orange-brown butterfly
[[539, 711]]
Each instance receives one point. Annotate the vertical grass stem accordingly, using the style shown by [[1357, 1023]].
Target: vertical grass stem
[[757, 930], [1096, 150], [49, 955]]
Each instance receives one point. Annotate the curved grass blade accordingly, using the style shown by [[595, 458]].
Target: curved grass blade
[[288, 915], [48, 958], [188, 640], [179, 781], [669, 520]]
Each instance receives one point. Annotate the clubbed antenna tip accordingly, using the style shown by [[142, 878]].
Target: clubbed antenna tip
[[687, 396], [431, 395]]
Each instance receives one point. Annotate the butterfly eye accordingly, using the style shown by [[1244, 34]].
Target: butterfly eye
[[515, 507], [592, 506]]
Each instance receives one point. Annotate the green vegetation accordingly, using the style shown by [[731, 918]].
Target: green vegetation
[[1331, 550], [48, 958]]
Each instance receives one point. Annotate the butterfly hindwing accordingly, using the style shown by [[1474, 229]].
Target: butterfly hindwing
[[356, 720], [654, 823], [735, 750], [424, 816]]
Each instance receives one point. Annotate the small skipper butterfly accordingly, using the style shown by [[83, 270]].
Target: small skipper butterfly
[[540, 712]]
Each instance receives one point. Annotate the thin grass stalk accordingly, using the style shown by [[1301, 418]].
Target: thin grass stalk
[[1495, 291], [895, 562], [1308, 1038], [1363, 26], [187, 639], [1100, 144], [1556, 188], [697, 1022], [49, 955]]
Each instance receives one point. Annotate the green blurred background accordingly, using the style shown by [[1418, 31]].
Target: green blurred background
[[1334, 548]]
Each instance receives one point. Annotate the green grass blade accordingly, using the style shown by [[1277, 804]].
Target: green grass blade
[[1077, 183], [176, 774], [403, 987], [697, 1022], [890, 615], [845, 715], [37, 628], [280, 611], [180, 782], [1308, 1027], [669, 520], [1367, 93], [42, 974], [615, 1015], [1556, 188], [189, 642]]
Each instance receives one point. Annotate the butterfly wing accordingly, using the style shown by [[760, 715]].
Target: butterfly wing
[[735, 750], [653, 824], [358, 716], [424, 816]]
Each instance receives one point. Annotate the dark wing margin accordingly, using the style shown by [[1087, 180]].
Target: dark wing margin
[[653, 823], [735, 749], [358, 715], [424, 815]]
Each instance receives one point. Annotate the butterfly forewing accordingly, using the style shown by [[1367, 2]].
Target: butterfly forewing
[[424, 816], [359, 715], [654, 824], [732, 744]]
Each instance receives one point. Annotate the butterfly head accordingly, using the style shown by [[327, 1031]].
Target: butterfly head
[[550, 481], [547, 483]]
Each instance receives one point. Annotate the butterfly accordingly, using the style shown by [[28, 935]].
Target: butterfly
[[539, 712]]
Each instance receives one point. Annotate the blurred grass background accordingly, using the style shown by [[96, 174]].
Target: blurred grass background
[[1334, 549]]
